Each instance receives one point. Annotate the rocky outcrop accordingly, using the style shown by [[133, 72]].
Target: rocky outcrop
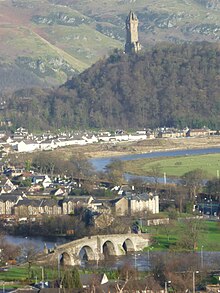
[[204, 29], [210, 4], [48, 66], [60, 18]]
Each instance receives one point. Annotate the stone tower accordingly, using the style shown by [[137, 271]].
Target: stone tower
[[132, 44]]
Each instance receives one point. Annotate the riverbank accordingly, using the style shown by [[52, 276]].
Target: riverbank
[[99, 150], [116, 149]]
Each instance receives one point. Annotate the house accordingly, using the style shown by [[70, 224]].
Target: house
[[101, 220], [48, 144], [119, 206], [6, 186], [198, 132], [73, 140], [143, 202], [90, 280], [26, 208], [50, 207], [26, 146], [7, 203], [13, 172], [90, 138], [29, 207], [137, 136], [42, 179], [58, 192], [2, 134], [69, 204], [104, 137], [134, 203]]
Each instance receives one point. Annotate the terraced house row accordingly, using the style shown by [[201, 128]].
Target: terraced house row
[[19, 206]]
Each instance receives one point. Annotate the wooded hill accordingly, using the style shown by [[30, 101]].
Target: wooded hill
[[169, 85]]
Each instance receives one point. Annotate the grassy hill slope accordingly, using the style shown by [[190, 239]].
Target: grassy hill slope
[[67, 36]]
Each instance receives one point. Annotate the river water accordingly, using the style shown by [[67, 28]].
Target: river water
[[141, 260]]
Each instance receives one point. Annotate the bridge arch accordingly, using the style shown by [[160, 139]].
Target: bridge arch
[[108, 248], [128, 245], [65, 259], [86, 253]]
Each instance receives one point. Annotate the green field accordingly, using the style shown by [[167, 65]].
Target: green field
[[209, 236], [175, 166], [21, 274]]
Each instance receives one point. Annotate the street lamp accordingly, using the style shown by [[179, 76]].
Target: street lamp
[[166, 286], [42, 275], [202, 260], [58, 266], [204, 201], [148, 253], [194, 281]]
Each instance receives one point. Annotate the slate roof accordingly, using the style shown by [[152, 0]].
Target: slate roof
[[8, 197], [29, 202], [139, 197], [89, 279], [49, 202], [83, 199]]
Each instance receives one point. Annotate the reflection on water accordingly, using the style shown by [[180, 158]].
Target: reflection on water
[[37, 241], [144, 261]]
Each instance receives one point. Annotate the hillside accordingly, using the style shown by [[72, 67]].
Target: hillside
[[52, 40], [168, 85]]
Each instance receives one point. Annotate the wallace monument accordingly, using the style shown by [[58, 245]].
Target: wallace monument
[[132, 44]]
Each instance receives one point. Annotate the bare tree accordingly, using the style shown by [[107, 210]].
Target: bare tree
[[115, 171], [193, 180], [190, 234], [176, 269], [80, 167], [8, 251], [155, 173], [29, 254]]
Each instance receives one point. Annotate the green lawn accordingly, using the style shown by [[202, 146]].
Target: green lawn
[[209, 236], [175, 166], [21, 273]]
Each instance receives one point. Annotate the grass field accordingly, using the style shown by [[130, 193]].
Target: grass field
[[21, 274], [209, 236], [176, 166]]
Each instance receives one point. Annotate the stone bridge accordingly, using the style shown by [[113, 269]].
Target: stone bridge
[[98, 247]]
